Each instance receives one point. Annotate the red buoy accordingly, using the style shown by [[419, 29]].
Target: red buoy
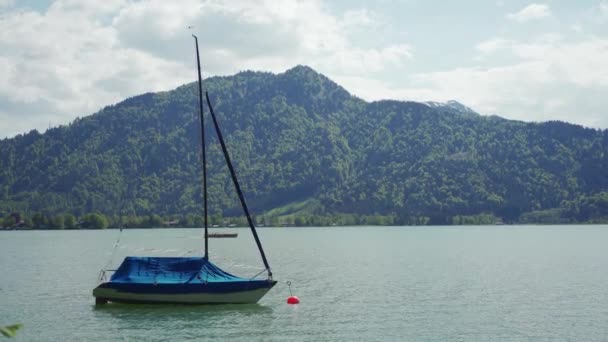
[[293, 300]]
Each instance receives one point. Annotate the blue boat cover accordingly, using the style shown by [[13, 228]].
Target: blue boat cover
[[171, 270]]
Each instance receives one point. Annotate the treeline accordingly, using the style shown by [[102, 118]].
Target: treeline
[[101, 221], [585, 209], [60, 221], [588, 209]]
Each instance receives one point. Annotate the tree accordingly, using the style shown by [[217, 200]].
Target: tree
[[69, 221], [300, 221], [187, 221], [8, 221], [39, 221], [58, 222], [94, 221], [216, 218], [155, 221]]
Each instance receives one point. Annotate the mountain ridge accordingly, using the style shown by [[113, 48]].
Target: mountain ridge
[[297, 136]]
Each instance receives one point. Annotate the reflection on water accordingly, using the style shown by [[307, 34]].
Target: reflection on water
[[176, 322], [122, 310]]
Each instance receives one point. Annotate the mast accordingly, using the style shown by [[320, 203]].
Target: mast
[[203, 154], [237, 186]]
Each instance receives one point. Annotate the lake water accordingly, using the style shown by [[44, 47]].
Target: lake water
[[503, 283]]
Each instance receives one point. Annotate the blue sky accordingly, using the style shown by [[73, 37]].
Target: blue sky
[[524, 60]]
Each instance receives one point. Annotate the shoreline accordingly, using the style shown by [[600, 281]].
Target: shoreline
[[305, 227]]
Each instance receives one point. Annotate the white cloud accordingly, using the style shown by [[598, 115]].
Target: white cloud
[[362, 61], [78, 56], [603, 6], [240, 35], [492, 45], [65, 63], [553, 79], [140, 20], [546, 78], [360, 17], [581, 63], [577, 28], [531, 12]]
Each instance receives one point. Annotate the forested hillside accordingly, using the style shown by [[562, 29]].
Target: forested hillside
[[302, 145]]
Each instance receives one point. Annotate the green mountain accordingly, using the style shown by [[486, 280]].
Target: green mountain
[[303, 144]]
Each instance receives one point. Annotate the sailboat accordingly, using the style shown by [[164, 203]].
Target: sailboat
[[188, 280]]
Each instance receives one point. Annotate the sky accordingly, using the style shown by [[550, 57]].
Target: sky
[[522, 60]]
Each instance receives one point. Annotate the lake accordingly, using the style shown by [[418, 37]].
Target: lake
[[498, 283]]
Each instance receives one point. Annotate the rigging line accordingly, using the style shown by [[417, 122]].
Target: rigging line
[[257, 274], [236, 184], [203, 154], [116, 244]]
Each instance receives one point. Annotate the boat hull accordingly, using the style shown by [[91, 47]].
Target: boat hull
[[179, 294]]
